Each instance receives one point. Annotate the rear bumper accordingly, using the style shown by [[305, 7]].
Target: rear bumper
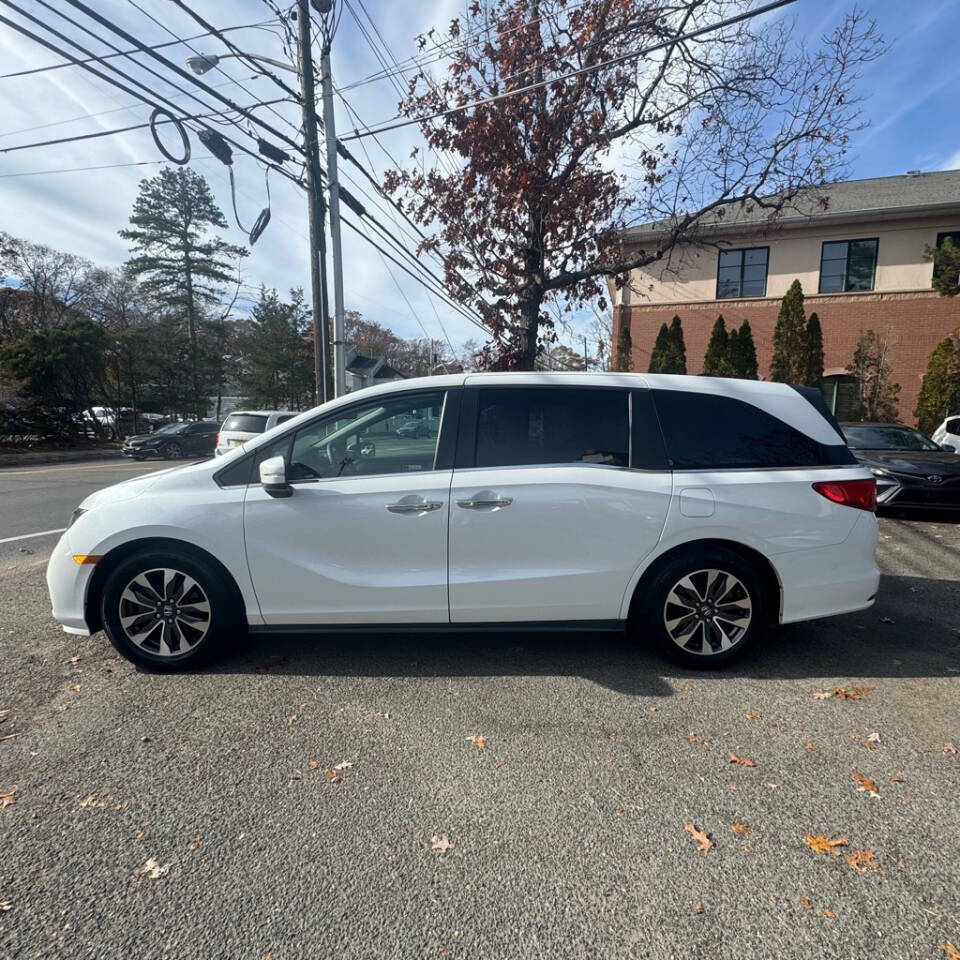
[[826, 581]]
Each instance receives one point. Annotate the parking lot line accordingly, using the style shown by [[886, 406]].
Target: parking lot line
[[107, 465], [30, 536]]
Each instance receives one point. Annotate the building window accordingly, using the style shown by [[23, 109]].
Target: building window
[[848, 265], [742, 273]]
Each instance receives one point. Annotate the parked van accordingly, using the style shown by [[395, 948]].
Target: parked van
[[691, 511]]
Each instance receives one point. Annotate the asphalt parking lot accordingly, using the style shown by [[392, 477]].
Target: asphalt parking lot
[[285, 803]]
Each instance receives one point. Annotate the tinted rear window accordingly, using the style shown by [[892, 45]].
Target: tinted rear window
[[534, 425], [704, 431], [245, 423]]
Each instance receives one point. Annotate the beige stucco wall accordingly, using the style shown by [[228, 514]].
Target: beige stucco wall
[[691, 275]]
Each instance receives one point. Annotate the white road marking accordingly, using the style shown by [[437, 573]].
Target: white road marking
[[30, 536]]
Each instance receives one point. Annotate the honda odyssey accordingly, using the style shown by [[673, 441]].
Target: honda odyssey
[[691, 511]]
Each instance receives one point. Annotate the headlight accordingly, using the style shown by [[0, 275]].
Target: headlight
[[75, 516]]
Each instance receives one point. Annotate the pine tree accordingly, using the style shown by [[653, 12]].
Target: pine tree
[[660, 357], [742, 353], [182, 264], [940, 391], [624, 349], [716, 360], [278, 354], [813, 375], [679, 354], [790, 339], [874, 374]]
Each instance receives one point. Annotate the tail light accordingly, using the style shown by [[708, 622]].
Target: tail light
[[861, 494], [218, 439]]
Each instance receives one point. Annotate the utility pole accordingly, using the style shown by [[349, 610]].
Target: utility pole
[[315, 209], [327, 10]]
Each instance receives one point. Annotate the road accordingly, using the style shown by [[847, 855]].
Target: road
[[193, 816]]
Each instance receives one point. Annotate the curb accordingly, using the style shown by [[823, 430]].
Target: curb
[[54, 456]]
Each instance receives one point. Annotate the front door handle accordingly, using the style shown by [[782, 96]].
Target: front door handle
[[492, 503], [414, 506]]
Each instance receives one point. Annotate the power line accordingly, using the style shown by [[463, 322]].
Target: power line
[[219, 69], [122, 53], [102, 166], [527, 88], [119, 31]]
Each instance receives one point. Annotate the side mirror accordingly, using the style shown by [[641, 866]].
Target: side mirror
[[273, 477]]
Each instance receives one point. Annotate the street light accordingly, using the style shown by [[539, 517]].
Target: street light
[[205, 62]]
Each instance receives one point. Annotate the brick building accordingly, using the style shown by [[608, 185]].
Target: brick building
[[856, 247]]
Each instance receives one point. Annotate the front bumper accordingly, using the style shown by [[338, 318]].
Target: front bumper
[[68, 582]]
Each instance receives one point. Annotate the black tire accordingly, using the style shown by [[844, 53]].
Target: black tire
[[171, 451], [727, 640], [224, 621]]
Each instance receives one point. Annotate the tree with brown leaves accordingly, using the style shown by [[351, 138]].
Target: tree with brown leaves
[[534, 210]]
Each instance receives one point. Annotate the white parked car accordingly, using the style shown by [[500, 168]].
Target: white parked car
[[691, 511], [948, 433], [243, 425]]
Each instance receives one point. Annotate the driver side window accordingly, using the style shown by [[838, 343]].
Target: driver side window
[[379, 437]]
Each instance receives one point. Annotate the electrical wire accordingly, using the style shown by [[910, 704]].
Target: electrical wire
[[527, 88], [123, 53], [101, 166]]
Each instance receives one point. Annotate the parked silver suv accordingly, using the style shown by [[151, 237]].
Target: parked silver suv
[[243, 425]]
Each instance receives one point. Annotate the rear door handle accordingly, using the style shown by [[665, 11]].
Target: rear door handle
[[414, 506], [485, 504]]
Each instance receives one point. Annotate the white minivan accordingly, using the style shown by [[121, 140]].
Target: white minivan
[[691, 511], [243, 425]]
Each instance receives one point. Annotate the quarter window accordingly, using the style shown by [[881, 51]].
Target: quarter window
[[710, 432], [742, 273], [536, 425], [848, 265]]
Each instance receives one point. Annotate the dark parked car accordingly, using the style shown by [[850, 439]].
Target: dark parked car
[[174, 440], [912, 471]]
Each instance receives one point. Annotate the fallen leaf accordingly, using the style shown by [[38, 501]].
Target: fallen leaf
[[810, 746], [741, 761], [807, 905], [445, 952], [738, 827], [829, 914], [841, 693], [871, 742], [822, 695], [154, 870], [652, 709], [5, 905], [896, 778], [753, 716], [331, 774], [314, 764], [442, 844], [122, 805], [75, 687], [74, 659], [865, 783], [291, 720], [949, 949], [703, 839], [140, 834], [195, 844], [950, 748], [699, 907], [344, 765], [694, 739], [822, 844], [8, 799], [478, 741], [862, 861], [91, 800]]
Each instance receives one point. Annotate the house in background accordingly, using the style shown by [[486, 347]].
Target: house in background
[[363, 371], [858, 250]]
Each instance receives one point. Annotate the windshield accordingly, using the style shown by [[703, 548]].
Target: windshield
[[172, 428], [887, 438]]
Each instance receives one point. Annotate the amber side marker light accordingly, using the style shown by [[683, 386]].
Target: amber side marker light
[[83, 558]]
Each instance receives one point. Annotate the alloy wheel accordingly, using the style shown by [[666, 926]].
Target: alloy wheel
[[707, 612], [164, 612]]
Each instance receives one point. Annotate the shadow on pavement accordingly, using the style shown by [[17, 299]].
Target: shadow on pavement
[[923, 640]]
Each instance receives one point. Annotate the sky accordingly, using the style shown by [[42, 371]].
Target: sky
[[910, 106]]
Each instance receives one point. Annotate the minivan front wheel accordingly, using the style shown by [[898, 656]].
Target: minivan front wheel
[[704, 608], [166, 611]]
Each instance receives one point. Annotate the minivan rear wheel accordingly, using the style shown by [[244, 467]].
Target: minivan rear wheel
[[704, 608], [164, 610]]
